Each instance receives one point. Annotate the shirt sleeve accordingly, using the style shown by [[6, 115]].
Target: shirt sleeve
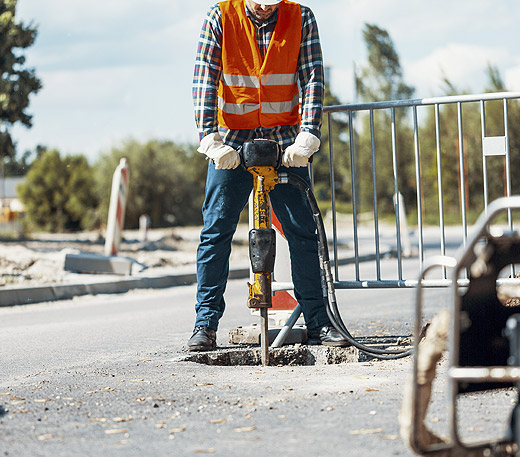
[[206, 75], [311, 75]]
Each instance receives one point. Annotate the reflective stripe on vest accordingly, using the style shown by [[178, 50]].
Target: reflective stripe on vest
[[240, 81], [267, 80], [279, 80], [280, 107], [267, 107], [237, 108]]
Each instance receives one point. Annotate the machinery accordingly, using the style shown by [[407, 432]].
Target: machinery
[[262, 158], [481, 332]]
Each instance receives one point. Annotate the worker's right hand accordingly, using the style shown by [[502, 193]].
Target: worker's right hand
[[224, 157]]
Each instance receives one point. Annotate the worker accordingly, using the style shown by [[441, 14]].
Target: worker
[[249, 60]]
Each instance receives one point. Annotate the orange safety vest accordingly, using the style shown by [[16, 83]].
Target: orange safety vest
[[253, 92]]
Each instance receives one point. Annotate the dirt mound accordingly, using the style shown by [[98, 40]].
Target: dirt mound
[[39, 260]]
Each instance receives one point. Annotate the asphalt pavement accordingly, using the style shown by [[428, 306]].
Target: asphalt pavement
[[101, 376], [105, 375]]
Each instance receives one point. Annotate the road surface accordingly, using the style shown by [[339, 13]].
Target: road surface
[[100, 376]]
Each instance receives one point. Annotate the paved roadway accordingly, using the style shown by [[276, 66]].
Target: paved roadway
[[98, 376]]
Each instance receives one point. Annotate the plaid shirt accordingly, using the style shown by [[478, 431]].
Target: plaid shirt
[[208, 67]]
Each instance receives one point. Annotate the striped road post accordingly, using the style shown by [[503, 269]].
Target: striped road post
[[116, 211], [283, 300]]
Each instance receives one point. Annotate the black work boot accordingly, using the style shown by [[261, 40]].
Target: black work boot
[[203, 339], [326, 335]]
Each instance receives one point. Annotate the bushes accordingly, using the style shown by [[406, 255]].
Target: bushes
[[66, 193], [58, 193], [166, 182]]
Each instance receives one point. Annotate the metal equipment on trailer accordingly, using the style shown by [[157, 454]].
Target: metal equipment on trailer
[[481, 332]]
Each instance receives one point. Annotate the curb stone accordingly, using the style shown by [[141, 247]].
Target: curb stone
[[46, 293]]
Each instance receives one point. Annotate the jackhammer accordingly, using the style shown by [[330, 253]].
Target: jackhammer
[[262, 158]]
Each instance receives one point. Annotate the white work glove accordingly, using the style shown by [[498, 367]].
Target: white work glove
[[224, 157], [298, 153]]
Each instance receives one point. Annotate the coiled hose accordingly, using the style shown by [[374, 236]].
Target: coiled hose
[[327, 283]]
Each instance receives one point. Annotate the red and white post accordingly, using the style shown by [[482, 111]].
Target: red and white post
[[283, 300], [116, 212]]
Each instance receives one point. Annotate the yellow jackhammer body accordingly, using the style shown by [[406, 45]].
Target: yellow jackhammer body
[[262, 158]]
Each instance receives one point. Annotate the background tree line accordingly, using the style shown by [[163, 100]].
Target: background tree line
[[167, 179], [64, 193], [382, 79]]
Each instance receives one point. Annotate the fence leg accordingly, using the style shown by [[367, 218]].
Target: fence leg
[[406, 245], [144, 225], [285, 330]]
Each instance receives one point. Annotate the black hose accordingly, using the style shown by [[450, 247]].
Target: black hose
[[327, 283]]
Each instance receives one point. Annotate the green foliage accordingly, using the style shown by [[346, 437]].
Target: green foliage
[[382, 79], [495, 126], [472, 160], [18, 165], [166, 182], [375, 153], [17, 82], [58, 193], [321, 160]]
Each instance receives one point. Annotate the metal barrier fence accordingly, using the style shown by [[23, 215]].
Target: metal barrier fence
[[491, 146]]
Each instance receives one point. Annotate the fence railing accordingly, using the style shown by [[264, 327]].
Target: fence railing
[[497, 145]]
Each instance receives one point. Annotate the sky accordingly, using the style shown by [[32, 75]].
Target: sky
[[114, 70]]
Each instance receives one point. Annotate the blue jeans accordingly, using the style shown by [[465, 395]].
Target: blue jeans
[[227, 192]]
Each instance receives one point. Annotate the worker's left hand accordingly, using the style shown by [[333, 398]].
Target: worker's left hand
[[298, 153]]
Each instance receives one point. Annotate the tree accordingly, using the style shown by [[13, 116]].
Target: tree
[[17, 82], [58, 193], [166, 182], [381, 79], [321, 161], [472, 147], [18, 165]]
